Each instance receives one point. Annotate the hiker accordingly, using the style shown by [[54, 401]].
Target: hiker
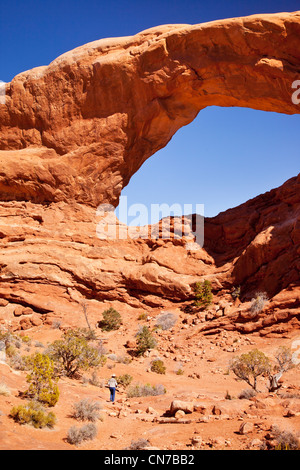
[[112, 385]]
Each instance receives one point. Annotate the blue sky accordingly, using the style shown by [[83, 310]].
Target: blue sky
[[224, 157]]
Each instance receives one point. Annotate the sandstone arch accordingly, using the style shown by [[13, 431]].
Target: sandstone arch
[[79, 128]]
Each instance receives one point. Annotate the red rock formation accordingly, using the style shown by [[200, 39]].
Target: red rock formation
[[85, 124], [73, 134]]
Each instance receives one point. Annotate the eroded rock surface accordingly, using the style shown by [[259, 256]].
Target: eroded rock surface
[[72, 135], [79, 128]]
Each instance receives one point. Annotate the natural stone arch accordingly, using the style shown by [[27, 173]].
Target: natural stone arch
[[81, 127]]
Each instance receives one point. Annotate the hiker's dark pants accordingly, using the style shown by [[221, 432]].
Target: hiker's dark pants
[[112, 393]]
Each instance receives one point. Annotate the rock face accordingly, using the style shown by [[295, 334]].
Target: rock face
[[73, 134], [79, 128]]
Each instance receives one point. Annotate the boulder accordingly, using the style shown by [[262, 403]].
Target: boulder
[[186, 407]]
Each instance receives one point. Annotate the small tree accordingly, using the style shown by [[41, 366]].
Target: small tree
[[203, 294], [42, 380], [284, 363], [111, 320], [145, 341], [250, 366], [73, 353]]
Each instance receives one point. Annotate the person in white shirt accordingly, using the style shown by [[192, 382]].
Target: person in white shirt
[[112, 385]]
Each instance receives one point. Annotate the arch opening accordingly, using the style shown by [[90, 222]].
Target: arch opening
[[225, 157]]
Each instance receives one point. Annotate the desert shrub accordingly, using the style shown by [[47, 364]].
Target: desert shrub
[[286, 440], [112, 357], [26, 340], [56, 324], [165, 321], [236, 292], [76, 435], [158, 366], [203, 294], [86, 410], [284, 362], [102, 359], [247, 394], [140, 444], [147, 390], [17, 362], [42, 380], [144, 341], [10, 351], [111, 320], [93, 380], [123, 360], [258, 303], [34, 414], [124, 380], [179, 371], [72, 353], [8, 338], [250, 366], [86, 333], [142, 316], [4, 390]]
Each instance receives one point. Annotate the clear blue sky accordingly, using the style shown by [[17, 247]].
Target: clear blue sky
[[224, 157]]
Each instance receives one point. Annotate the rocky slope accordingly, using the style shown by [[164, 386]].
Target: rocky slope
[[52, 261]]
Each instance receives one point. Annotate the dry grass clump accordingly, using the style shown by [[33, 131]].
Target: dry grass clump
[[145, 390], [286, 440], [87, 410], [4, 390], [258, 303], [165, 321], [140, 444], [77, 435]]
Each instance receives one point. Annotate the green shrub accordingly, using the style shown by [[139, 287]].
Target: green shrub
[[124, 380], [42, 380], [142, 316], [236, 292], [34, 414], [26, 340], [145, 341], [203, 294], [72, 353], [158, 366], [111, 320], [85, 333]]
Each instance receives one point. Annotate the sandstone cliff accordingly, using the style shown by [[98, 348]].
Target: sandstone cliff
[[72, 135], [79, 128]]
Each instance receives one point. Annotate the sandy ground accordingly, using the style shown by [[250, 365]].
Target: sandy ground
[[206, 381]]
